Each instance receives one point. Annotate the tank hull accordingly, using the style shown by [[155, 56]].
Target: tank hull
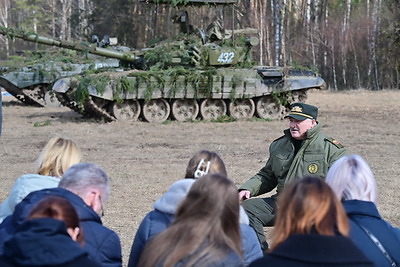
[[264, 92]]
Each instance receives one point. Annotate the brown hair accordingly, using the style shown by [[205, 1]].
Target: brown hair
[[216, 165], [206, 226], [307, 205], [57, 156], [57, 208]]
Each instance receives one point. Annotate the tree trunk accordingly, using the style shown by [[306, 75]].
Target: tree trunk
[[282, 35], [373, 68], [4, 17], [277, 31]]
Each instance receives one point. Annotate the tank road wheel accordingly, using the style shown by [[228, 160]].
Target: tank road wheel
[[242, 108], [299, 95], [127, 110], [156, 110], [185, 109], [267, 108], [212, 108]]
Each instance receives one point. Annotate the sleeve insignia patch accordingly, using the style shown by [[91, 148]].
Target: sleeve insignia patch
[[335, 142]]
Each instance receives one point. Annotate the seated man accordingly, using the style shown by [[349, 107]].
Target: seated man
[[303, 150], [86, 187]]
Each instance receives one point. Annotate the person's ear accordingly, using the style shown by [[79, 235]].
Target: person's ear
[[73, 233], [96, 202], [93, 200]]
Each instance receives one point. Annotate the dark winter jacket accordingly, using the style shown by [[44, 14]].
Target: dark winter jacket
[[366, 214], [44, 242], [162, 216], [306, 250], [103, 244]]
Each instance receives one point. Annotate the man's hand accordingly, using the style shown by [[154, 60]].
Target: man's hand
[[244, 194]]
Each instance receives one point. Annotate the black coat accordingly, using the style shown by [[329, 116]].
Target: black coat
[[302, 250], [103, 244], [44, 242]]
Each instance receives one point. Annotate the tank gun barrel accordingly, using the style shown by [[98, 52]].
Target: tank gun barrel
[[82, 46]]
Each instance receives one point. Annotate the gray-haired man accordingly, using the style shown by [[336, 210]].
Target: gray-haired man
[[86, 186]]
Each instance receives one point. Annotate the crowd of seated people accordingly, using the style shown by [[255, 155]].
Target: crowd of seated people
[[199, 221]]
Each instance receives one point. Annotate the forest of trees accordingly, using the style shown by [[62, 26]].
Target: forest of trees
[[350, 43]]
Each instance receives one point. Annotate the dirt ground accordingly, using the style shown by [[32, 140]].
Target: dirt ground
[[144, 159]]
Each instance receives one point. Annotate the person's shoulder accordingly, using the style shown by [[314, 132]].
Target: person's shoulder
[[35, 182], [96, 234], [280, 140], [334, 142]]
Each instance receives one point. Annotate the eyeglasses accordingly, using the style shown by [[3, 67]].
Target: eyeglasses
[[102, 207]]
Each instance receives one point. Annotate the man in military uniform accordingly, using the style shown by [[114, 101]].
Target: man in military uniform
[[302, 150]]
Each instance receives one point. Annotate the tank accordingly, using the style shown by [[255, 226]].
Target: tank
[[200, 74], [31, 83]]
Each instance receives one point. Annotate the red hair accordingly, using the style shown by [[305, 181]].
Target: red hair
[[57, 208]]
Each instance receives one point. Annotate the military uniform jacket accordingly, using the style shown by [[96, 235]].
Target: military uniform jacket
[[316, 154]]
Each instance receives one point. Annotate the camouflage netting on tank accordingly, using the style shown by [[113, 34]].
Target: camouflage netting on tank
[[44, 58], [169, 82]]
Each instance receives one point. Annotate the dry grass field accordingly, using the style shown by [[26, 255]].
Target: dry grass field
[[144, 159]]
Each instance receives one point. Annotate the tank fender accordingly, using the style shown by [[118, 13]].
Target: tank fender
[[296, 83], [62, 85]]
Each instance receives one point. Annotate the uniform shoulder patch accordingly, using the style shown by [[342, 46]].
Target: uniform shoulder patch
[[334, 142]]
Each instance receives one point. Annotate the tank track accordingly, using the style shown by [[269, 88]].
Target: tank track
[[32, 96], [93, 110], [65, 101], [89, 109]]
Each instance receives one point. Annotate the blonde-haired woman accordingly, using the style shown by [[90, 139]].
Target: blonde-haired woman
[[311, 229], [56, 157]]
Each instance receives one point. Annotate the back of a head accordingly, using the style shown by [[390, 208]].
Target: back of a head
[[209, 212], [57, 208], [308, 205], [209, 197], [204, 162], [57, 156], [350, 177], [83, 177]]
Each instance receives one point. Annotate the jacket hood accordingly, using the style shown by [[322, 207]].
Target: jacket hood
[[42, 242], [23, 186], [320, 250], [85, 213], [360, 207], [169, 202]]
